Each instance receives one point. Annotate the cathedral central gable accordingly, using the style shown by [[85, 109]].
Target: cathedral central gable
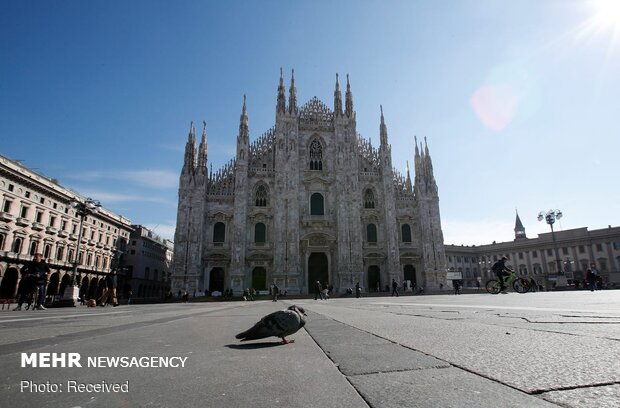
[[316, 115]]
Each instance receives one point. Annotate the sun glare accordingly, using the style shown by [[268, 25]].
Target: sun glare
[[607, 13]]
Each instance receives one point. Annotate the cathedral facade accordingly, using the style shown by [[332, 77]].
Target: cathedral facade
[[309, 200]]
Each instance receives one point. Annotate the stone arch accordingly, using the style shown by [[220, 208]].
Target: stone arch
[[8, 286], [100, 287], [52, 286], [84, 287], [64, 282]]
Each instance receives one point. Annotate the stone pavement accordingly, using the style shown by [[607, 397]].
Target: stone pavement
[[556, 349]]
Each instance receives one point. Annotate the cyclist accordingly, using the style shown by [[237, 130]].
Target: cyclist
[[501, 270]]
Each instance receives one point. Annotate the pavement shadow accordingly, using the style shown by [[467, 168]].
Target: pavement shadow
[[253, 346]]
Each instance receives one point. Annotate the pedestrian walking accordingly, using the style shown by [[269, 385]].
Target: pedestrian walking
[[394, 288], [457, 287], [591, 277], [358, 290], [318, 291], [274, 293]]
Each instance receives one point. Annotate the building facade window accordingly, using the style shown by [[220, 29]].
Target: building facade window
[[17, 245], [369, 199], [371, 233], [406, 232], [219, 233], [316, 155], [260, 232], [59, 253], [316, 204], [261, 196]]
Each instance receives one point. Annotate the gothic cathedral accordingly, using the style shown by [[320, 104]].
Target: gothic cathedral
[[310, 200]]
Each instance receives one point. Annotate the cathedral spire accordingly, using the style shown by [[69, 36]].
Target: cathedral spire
[[428, 162], [244, 129], [281, 105], [189, 163], [383, 130], [243, 140], [349, 100], [519, 228], [408, 182], [202, 150], [337, 99], [292, 98]]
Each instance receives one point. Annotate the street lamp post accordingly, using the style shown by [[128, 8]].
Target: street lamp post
[[550, 217], [82, 209]]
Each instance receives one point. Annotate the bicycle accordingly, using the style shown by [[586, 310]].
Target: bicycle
[[519, 285]]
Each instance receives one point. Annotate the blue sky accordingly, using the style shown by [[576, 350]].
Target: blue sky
[[519, 100]]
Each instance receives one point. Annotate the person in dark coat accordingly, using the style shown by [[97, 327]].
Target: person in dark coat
[[394, 288], [358, 290], [38, 272], [457, 287]]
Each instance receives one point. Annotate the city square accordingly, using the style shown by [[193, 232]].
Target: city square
[[546, 349], [166, 168]]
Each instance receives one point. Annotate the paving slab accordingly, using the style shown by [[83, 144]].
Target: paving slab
[[355, 359], [443, 387], [607, 396]]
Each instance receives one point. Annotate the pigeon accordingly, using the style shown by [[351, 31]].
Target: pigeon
[[279, 324]]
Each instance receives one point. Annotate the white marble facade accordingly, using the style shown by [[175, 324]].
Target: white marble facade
[[308, 200]]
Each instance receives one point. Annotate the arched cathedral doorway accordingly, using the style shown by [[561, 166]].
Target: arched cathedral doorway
[[374, 278], [216, 280], [259, 278], [409, 271], [318, 270]]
